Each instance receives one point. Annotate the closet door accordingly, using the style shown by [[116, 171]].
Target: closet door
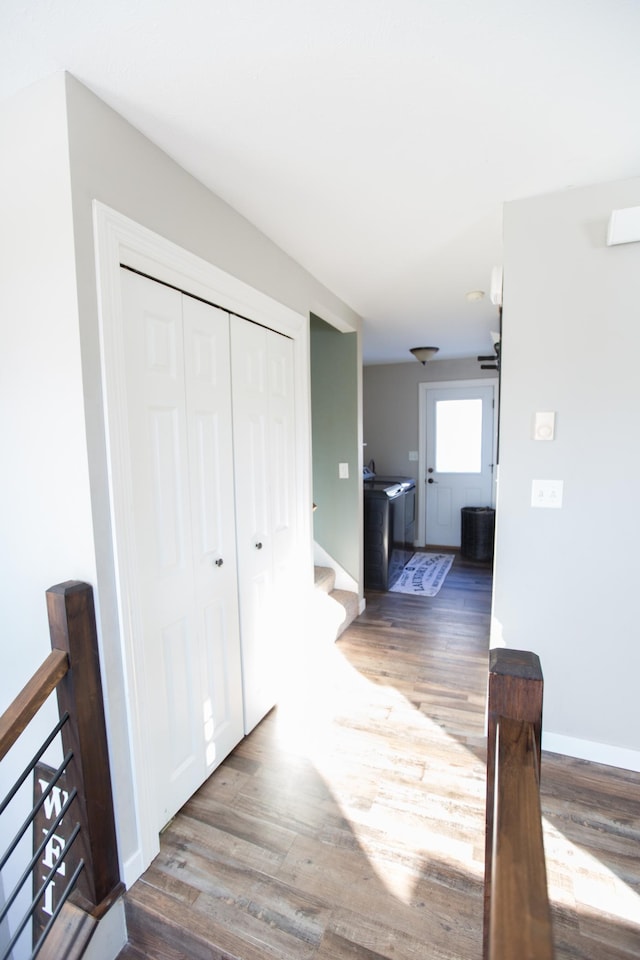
[[209, 426], [263, 424], [187, 652], [282, 472]]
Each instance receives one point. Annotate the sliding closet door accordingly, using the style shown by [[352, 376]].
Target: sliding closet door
[[263, 423], [187, 652]]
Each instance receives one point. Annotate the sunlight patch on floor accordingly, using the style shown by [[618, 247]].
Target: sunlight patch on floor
[[321, 717], [323, 709], [593, 885]]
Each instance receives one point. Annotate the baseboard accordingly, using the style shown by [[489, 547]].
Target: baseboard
[[621, 757], [133, 868]]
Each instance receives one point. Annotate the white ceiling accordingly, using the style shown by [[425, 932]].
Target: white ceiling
[[373, 140]]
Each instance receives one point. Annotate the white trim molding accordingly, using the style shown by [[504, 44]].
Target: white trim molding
[[121, 241], [623, 757]]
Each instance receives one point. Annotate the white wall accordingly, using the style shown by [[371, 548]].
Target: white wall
[[566, 580], [45, 516], [45, 520], [336, 421], [67, 149], [390, 402], [113, 163]]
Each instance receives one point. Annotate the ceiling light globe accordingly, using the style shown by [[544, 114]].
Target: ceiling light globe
[[423, 354]]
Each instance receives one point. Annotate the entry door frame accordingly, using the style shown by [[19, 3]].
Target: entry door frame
[[422, 440], [121, 241]]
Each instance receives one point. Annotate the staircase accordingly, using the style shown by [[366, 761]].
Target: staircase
[[336, 608]]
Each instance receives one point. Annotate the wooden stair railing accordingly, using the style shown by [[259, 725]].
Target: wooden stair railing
[[517, 917], [73, 670]]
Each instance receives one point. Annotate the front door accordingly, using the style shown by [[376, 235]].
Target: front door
[[459, 461]]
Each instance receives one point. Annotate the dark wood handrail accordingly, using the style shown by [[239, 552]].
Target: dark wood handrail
[[21, 712], [517, 919], [520, 920], [72, 625], [72, 669]]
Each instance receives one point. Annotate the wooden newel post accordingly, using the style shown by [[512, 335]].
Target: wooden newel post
[[72, 627], [515, 692]]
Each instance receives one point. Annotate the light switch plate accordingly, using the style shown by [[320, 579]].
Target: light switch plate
[[546, 494], [413, 454], [343, 471]]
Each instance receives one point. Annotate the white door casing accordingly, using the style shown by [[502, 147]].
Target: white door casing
[[181, 456], [443, 494], [120, 240]]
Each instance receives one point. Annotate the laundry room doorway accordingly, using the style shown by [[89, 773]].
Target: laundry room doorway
[[457, 455]]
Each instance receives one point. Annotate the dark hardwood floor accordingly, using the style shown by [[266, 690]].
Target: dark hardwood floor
[[350, 824]]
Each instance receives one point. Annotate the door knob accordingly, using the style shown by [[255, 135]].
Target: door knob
[[219, 562], [258, 545], [431, 480]]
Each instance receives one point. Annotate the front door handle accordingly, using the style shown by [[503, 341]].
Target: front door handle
[[431, 480]]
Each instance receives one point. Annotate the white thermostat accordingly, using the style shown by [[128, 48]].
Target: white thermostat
[[544, 425]]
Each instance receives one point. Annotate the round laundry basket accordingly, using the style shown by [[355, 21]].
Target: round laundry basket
[[478, 527]]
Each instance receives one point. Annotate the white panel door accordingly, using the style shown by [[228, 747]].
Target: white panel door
[[263, 425], [187, 646], [208, 381], [459, 457], [282, 472]]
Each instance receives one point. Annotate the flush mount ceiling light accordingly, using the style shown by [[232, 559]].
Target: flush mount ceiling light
[[474, 295], [424, 353]]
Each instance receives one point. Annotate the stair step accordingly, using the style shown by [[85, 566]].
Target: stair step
[[339, 609], [162, 926], [70, 934], [324, 578], [351, 605]]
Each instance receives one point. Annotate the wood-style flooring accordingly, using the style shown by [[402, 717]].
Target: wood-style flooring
[[350, 824]]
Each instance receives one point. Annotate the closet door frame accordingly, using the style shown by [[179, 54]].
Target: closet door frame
[[121, 241]]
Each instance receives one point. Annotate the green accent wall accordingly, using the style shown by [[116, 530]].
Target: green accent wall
[[334, 432]]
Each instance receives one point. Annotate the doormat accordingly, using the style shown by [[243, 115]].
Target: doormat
[[424, 574]]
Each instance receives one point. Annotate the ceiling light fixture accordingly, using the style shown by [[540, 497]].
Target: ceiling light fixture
[[424, 353], [474, 295]]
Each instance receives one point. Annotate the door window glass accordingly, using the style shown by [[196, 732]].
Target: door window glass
[[459, 436]]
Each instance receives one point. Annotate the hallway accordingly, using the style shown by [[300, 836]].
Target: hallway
[[350, 824]]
